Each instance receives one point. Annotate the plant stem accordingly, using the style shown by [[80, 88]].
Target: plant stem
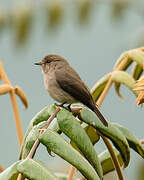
[[142, 141], [37, 142], [114, 158], [19, 176], [14, 105], [71, 173], [1, 168], [106, 140], [17, 117], [109, 83], [105, 91]]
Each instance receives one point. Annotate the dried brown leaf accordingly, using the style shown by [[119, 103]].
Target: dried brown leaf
[[22, 95]]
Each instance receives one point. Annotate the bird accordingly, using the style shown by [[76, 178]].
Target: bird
[[64, 84]]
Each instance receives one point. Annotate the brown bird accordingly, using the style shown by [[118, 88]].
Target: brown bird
[[64, 84]]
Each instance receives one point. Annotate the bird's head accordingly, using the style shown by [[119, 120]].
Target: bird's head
[[50, 61]]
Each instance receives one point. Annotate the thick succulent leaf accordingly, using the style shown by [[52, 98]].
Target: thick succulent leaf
[[61, 147], [106, 162], [111, 132], [30, 139], [120, 59], [127, 64], [134, 143], [36, 170], [62, 176], [72, 128], [124, 78], [10, 173], [43, 115], [99, 87], [138, 56], [92, 134], [137, 71], [117, 89]]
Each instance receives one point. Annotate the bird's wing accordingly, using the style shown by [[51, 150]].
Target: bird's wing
[[71, 83]]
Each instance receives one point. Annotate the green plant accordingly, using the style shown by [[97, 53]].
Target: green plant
[[84, 130]]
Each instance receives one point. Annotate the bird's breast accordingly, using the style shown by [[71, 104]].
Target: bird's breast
[[55, 91]]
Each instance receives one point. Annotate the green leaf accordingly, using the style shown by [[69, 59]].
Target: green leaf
[[58, 145], [62, 176], [72, 128], [30, 139], [41, 116], [106, 162], [124, 78], [111, 132], [10, 173], [134, 143], [138, 56], [120, 59], [92, 134], [125, 66], [117, 89], [99, 87], [137, 71], [36, 170]]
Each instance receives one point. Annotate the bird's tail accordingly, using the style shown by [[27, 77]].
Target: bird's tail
[[100, 116]]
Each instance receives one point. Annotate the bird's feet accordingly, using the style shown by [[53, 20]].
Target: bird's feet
[[66, 107], [61, 105]]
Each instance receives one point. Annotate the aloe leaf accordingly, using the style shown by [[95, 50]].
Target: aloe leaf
[[137, 71], [124, 78], [124, 68], [120, 59], [30, 139], [106, 162], [111, 132], [36, 170], [72, 128], [133, 142], [61, 147], [117, 89], [41, 116], [99, 87], [138, 56], [62, 176], [92, 134], [10, 173]]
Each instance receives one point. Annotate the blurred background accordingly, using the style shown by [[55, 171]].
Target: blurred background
[[91, 35]]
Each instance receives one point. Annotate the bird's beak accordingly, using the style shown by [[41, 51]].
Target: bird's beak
[[38, 63]]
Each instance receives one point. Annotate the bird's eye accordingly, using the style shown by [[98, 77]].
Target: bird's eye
[[48, 61]]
